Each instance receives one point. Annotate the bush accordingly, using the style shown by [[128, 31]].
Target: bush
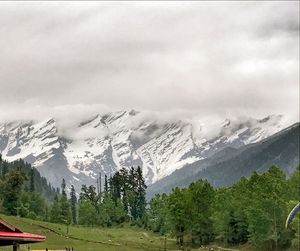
[[32, 215], [286, 237]]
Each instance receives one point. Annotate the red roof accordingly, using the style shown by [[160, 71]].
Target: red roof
[[10, 234]]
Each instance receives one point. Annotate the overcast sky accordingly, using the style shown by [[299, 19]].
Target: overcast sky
[[220, 58]]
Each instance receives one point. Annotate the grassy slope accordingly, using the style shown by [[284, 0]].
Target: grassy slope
[[91, 238]]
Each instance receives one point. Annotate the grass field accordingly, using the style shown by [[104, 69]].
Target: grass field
[[127, 238]]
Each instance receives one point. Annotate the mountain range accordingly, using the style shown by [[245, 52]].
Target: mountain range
[[107, 142], [230, 164]]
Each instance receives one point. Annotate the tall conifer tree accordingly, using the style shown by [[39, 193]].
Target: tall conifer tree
[[73, 200], [32, 187], [65, 206], [105, 184]]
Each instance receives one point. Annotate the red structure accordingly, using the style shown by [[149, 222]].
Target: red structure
[[12, 236]]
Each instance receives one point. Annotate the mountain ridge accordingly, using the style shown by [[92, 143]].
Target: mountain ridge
[[281, 149], [107, 142]]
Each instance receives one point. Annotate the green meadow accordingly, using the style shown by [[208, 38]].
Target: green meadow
[[126, 238]]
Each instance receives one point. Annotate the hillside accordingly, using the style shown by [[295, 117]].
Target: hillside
[[41, 184], [229, 165]]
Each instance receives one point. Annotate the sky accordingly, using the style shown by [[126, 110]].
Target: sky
[[219, 58]]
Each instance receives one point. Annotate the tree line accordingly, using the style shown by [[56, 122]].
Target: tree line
[[122, 200], [25, 193], [251, 211]]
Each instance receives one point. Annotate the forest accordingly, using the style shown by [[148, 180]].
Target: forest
[[252, 211]]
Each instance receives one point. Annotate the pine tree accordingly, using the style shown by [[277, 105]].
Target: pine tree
[[132, 179], [116, 182], [141, 193], [73, 200], [32, 187], [89, 194], [55, 212], [4, 168], [105, 184], [111, 186], [63, 188], [132, 191], [124, 188], [65, 205]]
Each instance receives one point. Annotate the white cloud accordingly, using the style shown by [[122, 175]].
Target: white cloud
[[204, 58]]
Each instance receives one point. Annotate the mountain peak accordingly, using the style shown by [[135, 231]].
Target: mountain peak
[[114, 140]]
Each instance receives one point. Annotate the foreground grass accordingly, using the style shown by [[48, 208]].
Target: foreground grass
[[81, 238], [126, 238]]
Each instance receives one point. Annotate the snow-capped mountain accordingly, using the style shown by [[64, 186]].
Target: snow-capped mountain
[[108, 142], [227, 166]]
